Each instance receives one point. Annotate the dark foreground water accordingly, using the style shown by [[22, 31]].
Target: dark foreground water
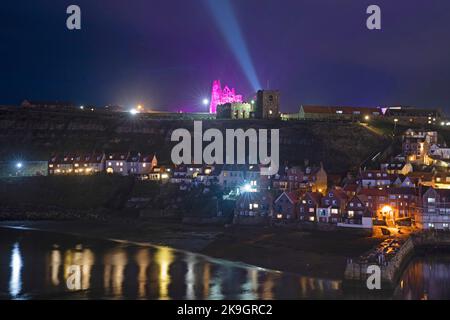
[[44, 265]]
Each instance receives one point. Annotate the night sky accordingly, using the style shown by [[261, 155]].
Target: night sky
[[165, 53]]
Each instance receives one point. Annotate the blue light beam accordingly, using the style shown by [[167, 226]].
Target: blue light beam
[[229, 26]]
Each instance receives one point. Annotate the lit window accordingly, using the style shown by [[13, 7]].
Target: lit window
[[351, 214], [431, 200], [144, 165], [255, 205], [311, 219]]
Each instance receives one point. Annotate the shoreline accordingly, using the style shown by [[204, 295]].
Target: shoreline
[[314, 254]]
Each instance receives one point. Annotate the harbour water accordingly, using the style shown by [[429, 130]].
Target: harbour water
[[42, 265]]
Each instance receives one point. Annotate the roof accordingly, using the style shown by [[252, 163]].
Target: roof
[[374, 192], [315, 196], [375, 175], [292, 196], [403, 191], [341, 110]]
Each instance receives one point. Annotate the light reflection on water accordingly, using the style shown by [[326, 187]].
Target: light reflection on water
[[40, 266], [15, 284]]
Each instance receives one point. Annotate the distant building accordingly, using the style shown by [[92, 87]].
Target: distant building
[[223, 96], [236, 110], [139, 164], [117, 163], [238, 176], [89, 163], [267, 104], [417, 143], [308, 112], [375, 178], [405, 115], [311, 178], [436, 210]]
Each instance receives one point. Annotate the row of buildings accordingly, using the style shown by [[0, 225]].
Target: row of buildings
[[399, 114]]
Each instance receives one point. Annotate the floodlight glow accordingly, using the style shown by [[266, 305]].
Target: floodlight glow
[[229, 26], [19, 165], [133, 111], [205, 102]]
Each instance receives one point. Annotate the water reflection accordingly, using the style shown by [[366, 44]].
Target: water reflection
[[426, 278], [15, 284], [44, 265]]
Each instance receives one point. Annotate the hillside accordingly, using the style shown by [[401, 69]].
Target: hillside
[[34, 135]]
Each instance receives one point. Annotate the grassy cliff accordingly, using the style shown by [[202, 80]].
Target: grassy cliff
[[34, 135]]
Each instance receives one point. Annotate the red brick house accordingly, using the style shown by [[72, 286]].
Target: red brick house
[[355, 210], [285, 206], [404, 202], [376, 199], [335, 200], [308, 206]]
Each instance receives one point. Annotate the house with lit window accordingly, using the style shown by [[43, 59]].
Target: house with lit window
[[404, 202], [308, 207], [295, 178], [61, 164], [376, 200], [417, 143], [237, 176], [397, 167], [253, 208], [335, 201], [89, 163], [160, 174], [357, 213], [116, 163], [375, 178], [285, 206], [140, 164], [435, 213]]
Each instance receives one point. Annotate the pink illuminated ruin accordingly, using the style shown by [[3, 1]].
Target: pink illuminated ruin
[[219, 96]]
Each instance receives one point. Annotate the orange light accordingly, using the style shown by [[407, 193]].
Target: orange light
[[386, 209]]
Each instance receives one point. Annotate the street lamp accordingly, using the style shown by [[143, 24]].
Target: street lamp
[[19, 165], [205, 102]]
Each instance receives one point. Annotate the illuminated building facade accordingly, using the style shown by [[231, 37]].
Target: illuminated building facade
[[221, 96]]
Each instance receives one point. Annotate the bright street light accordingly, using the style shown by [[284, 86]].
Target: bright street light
[[133, 111], [205, 102], [19, 165]]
